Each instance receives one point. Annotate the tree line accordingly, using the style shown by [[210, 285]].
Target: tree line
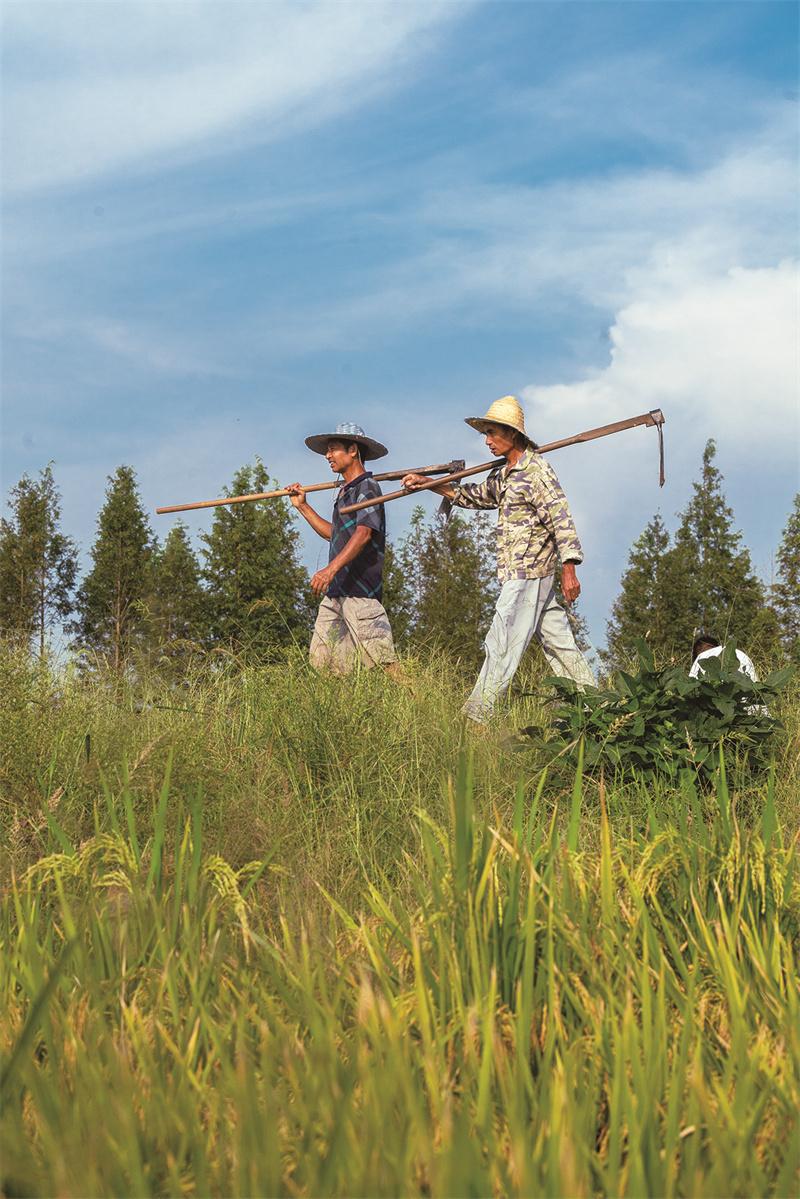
[[703, 578], [247, 591]]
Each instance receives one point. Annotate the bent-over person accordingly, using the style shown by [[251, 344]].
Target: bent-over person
[[351, 625], [708, 645], [534, 530]]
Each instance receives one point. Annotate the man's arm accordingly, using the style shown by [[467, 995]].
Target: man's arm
[[465, 495], [553, 510], [323, 578], [412, 481], [318, 523]]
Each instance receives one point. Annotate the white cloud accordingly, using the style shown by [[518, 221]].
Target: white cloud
[[719, 355], [721, 350], [94, 87]]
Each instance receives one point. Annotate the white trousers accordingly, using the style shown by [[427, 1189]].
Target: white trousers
[[526, 608]]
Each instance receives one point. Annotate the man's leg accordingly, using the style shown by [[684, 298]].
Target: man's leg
[[557, 640], [368, 626], [515, 619], [332, 648]]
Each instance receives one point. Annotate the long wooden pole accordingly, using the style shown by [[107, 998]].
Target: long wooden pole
[[654, 417], [439, 469]]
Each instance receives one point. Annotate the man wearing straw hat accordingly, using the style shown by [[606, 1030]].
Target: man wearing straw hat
[[351, 624], [534, 530]]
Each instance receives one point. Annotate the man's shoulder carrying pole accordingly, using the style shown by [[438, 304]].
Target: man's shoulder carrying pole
[[655, 418]]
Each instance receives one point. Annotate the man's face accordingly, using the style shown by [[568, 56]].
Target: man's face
[[340, 456], [500, 440]]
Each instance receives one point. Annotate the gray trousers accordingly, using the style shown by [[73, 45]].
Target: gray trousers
[[526, 608], [348, 630]]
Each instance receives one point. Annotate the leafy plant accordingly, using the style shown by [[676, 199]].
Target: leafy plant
[[661, 721]]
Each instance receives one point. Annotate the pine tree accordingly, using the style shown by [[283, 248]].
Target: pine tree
[[719, 590], [638, 610], [704, 580], [258, 596], [178, 607], [112, 618], [38, 563], [402, 580], [441, 587], [678, 610], [786, 591]]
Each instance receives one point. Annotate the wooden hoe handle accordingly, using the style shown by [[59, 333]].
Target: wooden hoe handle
[[654, 417], [437, 469]]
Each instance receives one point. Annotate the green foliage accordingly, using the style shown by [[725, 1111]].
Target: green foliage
[[178, 605], [786, 590], [258, 599], [721, 591], [38, 564], [111, 617], [527, 1011], [265, 934], [441, 586], [459, 587], [639, 609], [661, 721], [704, 580], [403, 581]]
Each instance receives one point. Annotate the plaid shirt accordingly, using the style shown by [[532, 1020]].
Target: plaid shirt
[[534, 523], [364, 575]]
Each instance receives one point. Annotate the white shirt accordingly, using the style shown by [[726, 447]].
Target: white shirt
[[745, 665]]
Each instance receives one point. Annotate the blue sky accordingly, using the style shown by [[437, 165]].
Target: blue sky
[[229, 225]]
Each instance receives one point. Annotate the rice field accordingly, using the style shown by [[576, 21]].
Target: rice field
[[265, 933]]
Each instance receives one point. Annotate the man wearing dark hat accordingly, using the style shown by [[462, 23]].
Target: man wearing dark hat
[[534, 531], [351, 624]]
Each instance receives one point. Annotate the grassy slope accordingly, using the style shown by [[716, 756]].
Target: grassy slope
[[509, 993]]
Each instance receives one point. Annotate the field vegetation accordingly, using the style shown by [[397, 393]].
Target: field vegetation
[[270, 933]]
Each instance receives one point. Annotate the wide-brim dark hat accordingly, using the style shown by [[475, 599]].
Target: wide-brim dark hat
[[348, 433]]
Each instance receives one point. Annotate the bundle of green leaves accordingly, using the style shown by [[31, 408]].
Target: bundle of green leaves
[[661, 721]]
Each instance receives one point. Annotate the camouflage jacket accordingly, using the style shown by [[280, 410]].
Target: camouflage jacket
[[534, 523]]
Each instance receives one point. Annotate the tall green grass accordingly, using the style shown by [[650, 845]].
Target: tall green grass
[[308, 938]]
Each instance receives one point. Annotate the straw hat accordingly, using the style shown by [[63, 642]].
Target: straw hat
[[505, 411], [347, 432]]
